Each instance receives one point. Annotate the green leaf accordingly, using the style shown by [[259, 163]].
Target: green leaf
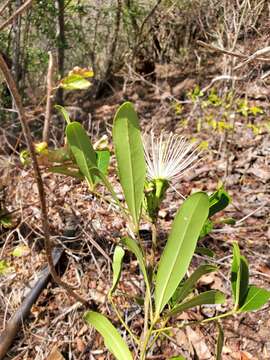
[[130, 158], [63, 170], [178, 358], [244, 279], [180, 247], [219, 200], [20, 250], [207, 228], [82, 150], [205, 298], [103, 160], [117, 266], [234, 271], [75, 82], [239, 276], [4, 267], [63, 112], [112, 339], [204, 251], [255, 299], [220, 342], [183, 291], [135, 249]]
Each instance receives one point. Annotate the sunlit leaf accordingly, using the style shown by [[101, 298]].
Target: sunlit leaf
[[63, 112], [130, 158], [103, 160], [255, 299], [205, 298], [82, 149], [180, 247], [182, 292], [75, 82], [112, 339]]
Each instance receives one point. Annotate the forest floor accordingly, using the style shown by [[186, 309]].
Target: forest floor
[[238, 156]]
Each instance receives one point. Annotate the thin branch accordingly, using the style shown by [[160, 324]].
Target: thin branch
[[4, 6], [223, 78], [227, 52], [254, 56], [44, 217], [16, 14], [45, 135]]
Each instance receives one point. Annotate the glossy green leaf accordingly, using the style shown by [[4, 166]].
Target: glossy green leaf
[[219, 200], [112, 339], [239, 276], [244, 280], [117, 266], [63, 112], [135, 249], [255, 299], [180, 247], [130, 158], [82, 149], [75, 82], [182, 292], [205, 298], [234, 271], [178, 358], [220, 342]]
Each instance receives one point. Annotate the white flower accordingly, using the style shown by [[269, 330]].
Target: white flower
[[168, 156]]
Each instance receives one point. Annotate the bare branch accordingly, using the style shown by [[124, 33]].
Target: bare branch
[[42, 199], [4, 6], [16, 14], [254, 56], [227, 52], [45, 135], [223, 78]]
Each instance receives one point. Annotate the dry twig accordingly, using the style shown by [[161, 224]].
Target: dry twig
[[45, 135], [227, 52]]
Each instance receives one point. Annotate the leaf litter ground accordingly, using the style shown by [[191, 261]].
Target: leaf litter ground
[[55, 329]]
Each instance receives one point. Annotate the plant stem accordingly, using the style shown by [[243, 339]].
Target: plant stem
[[137, 341], [145, 342], [199, 322], [154, 236]]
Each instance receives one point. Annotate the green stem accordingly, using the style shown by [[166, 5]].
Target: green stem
[[137, 341], [199, 322], [145, 342]]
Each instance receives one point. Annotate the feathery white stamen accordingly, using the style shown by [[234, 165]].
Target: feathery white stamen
[[168, 158]]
